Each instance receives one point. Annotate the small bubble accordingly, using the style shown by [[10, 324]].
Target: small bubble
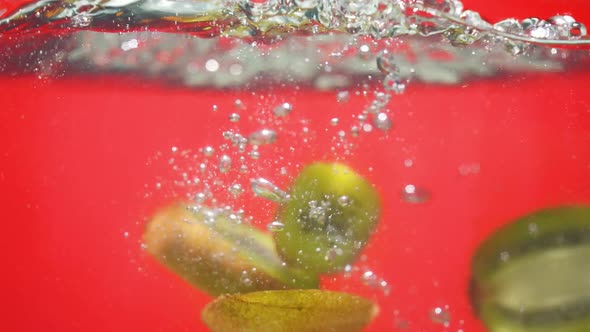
[[262, 137], [266, 189], [283, 109], [275, 226], [239, 104], [533, 229], [214, 108], [174, 149], [125, 234], [367, 128], [254, 154], [212, 65], [413, 194], [224, 163], [342, 96], [386, 64], [200, 197], [408, 163], [234, 117], [382, 121], [394, 82], [334, 121], [504, 256], [364, 52], [354, 131], [441, 316], [208, 151], [344, 201], [236, 189]]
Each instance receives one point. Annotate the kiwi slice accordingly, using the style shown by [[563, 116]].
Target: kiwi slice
[[217, 255], [533, 275], [328, 218], [311, 310]]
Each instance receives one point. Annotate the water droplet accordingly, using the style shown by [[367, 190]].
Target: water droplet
[[334, 121], [413, 194], [275, 226], [208, 151], [224, 163], [441, 315], [283, 109], [261, 137], [382, 121], [234, 117], [236, 189], [344, 201], [266, 189]]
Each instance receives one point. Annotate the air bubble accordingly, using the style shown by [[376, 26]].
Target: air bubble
[[234, 117], [283, 109], [224, 163], [254, 154], [344, 201], [334, 121], [342, 96], [236, 189], [262, 137], [266, 189], [396, 83], [413, 194], [382, 121], [208, 151], [275, 226], [441, 315]]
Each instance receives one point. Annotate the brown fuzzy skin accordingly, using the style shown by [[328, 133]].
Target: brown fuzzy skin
[[289, 311], [213, 261]]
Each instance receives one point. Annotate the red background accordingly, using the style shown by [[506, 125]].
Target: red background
[[74, 166]]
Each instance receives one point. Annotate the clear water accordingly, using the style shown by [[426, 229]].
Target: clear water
[[115, 108]]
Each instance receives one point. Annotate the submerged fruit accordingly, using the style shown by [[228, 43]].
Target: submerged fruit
[[289, 311], [533, 275], [328, 218], [219, 256]]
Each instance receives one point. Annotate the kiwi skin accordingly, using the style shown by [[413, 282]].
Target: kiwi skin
[[537, 237], [220, 257], [327, 242]]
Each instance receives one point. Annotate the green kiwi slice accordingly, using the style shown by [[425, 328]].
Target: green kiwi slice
[[533, 275], [217, 255], [311, 310], [329, 216]]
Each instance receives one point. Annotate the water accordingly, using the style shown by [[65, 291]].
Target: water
[[115, 108]]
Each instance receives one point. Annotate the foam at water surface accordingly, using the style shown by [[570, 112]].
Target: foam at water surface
[[335, 41]]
